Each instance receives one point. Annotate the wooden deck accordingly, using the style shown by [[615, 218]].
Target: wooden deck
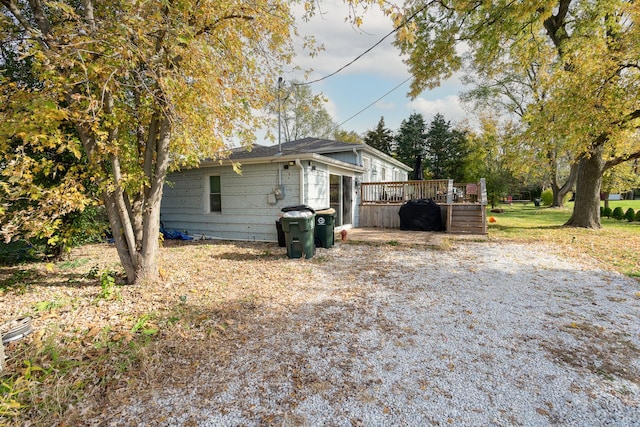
[[463, 206]]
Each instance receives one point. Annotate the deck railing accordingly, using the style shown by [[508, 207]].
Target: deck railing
[[442, 191]]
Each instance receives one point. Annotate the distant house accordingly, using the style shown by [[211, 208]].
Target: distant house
[[213, 201]]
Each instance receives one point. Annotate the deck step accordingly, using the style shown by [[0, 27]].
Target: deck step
[[467, 219]]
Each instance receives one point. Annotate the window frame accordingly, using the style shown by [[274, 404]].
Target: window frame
[[209, 193]]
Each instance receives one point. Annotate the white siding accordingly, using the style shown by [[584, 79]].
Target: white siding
[[246, 213], [383, 170], [367, 168], [317, 186]]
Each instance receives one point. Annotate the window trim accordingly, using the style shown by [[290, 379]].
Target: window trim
[[209, 193]]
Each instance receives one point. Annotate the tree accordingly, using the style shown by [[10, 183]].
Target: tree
[[410, 143], [70, 215], [446, 150], [347, 136], [63, 222], [620, 179], [381, 138], [490, 150], [543, 158], [303, 114], [141, 84], [588, 58]]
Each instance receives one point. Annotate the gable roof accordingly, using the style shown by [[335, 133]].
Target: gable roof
[[310, 146], [300, 146]]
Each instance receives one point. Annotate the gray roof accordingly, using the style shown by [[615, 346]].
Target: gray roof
[[300, 146], [308, 146]]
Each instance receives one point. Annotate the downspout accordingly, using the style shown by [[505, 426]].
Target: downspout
[[301, 181], [358, 162]]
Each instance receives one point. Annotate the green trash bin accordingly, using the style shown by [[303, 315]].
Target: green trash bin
[[325, 228], [298, 233]]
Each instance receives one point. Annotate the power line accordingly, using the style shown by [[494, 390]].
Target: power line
[[366, 51], [374, 102], [345, 66], [360, 56]]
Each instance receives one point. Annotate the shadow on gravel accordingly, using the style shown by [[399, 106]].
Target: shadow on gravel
[[601, 352]]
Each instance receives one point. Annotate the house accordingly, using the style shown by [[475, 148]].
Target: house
[[213, 201]]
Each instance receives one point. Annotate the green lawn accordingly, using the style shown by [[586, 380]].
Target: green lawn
[[617, 244]]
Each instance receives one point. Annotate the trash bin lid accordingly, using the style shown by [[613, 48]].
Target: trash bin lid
[[326, 211], [297, 214], [298, 208]]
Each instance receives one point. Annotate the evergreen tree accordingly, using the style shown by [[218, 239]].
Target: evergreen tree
[[381, 138], [446, 150], [410, 143]]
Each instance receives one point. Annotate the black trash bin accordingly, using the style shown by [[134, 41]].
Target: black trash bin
[[298, 233], [281, 240], [298, 225], [325, 226]]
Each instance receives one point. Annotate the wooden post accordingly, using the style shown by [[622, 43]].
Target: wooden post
[[449, 204], [483, 203], [483, 192]]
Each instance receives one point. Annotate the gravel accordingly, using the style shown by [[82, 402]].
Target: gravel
[[481, 334]]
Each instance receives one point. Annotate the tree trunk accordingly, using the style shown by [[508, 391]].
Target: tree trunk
[[586, 211], [559, 192], [140, 261]]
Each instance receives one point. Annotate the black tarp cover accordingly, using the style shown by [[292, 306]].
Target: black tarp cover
[[421, 215]]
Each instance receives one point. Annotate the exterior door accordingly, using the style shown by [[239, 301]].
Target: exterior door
[[347, 200], [341, 198], [335, 196]]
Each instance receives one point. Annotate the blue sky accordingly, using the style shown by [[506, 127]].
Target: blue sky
[[370, 77]]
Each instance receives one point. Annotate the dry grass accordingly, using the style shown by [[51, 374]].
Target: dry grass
[[91, 346], [96, 343], [616, 245]]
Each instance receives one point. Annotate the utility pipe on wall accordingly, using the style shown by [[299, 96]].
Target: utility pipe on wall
[[357, 159], [299, 164]]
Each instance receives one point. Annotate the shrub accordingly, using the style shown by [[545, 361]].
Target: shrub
[[618, 213], [606, 212], [637, 217], [547, 197], [629, 214]]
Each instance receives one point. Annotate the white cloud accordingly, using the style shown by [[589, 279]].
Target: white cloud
[[331, 108], [384, 105], [450, 107], [343, 42]]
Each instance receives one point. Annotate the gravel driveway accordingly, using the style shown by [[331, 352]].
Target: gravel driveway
[[481, 334]]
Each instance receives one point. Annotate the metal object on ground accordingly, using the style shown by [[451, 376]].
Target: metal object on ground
[[16, 329]]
